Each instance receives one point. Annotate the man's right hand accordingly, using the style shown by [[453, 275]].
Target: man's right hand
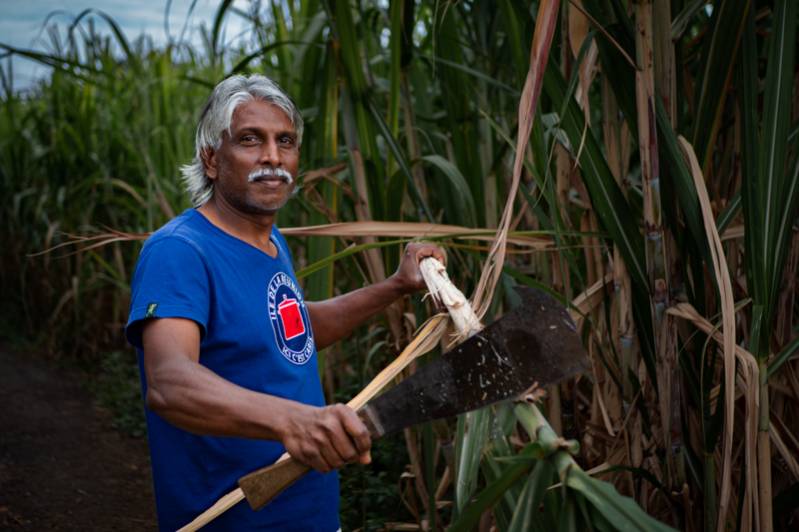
[[326, 438]]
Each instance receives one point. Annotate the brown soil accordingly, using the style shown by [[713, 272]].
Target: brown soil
[[62, 465]]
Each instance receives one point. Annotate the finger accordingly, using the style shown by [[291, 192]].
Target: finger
[[306, 437], [441, 255], [322, 442], [344, 447], [424, 252], [358, 432], [337, 435], [311, 459], [350, 429], [435, 253], [319, 463], [431, 250], [331, 456]]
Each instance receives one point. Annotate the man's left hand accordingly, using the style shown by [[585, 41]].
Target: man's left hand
[[408, 275]]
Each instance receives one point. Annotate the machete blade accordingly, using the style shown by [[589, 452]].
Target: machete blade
[[536, 342]]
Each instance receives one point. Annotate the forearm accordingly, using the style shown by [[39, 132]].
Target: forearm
[[335, 318], [196, 399]]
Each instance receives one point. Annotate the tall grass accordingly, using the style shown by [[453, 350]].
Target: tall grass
[[662, 166]]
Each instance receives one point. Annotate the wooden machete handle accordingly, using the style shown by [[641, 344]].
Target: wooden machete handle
[[263, 485]]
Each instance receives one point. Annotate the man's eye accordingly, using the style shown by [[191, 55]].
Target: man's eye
[[248, 139], [287, 139]]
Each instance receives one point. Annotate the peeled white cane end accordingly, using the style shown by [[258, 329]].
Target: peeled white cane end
[[442, 290]]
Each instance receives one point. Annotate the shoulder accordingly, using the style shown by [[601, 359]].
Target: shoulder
[[185, 231], [177, 248]]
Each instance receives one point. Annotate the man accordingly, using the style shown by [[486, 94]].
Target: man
[[226, 342]]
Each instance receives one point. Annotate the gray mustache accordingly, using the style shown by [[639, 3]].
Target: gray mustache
[[261, 173]]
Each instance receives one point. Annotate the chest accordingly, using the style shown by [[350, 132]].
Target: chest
[[259, 330]]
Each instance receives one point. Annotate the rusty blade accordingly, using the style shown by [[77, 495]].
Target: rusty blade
[[536, 343]]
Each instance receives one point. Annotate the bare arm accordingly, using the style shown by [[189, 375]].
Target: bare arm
[[335, 318], [198, 400]]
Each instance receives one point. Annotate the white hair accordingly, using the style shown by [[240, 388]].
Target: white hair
[[216, 119]]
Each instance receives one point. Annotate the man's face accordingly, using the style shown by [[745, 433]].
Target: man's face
[[261, 138]]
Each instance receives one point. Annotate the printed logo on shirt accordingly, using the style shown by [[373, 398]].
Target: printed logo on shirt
[[289, 319]]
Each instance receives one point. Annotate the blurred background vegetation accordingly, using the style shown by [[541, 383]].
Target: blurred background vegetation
[[659, 196]]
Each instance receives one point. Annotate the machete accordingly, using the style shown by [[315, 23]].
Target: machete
[[536, 344]]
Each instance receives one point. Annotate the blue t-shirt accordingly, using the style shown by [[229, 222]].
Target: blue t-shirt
[[255, 332]]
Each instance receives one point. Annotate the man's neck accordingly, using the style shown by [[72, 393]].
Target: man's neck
[[253, 229]]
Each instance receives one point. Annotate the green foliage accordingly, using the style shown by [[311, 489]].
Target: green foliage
[[116, 386], [771, 181], [369, 494]]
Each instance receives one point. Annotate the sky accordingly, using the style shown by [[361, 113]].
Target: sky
[[21, 24]]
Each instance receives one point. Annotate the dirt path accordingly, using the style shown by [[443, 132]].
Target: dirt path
[[62, 466]]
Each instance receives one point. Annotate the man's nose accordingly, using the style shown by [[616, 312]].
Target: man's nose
[[270, 154]]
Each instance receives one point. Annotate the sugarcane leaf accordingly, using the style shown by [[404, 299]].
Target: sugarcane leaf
[[774, 142], [680, 23], [492, 467], [525, 516], [117, 31], [399, 156], [618, 509], [219, 18], [244, 62], [350, 46], [473, 431], [477, 74], [459, 187], [729, 213], [568, 515], [471, 513], [789, 352], [620, 74], [397, 19], [598, 520], [58, 63], [328, 261], [718, 65], [511, 19], [769, 191]]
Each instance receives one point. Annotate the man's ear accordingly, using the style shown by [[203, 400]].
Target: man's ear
[[208, 157]]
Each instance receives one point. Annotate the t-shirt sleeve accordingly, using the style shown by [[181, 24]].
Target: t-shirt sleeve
[[171, 281]]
